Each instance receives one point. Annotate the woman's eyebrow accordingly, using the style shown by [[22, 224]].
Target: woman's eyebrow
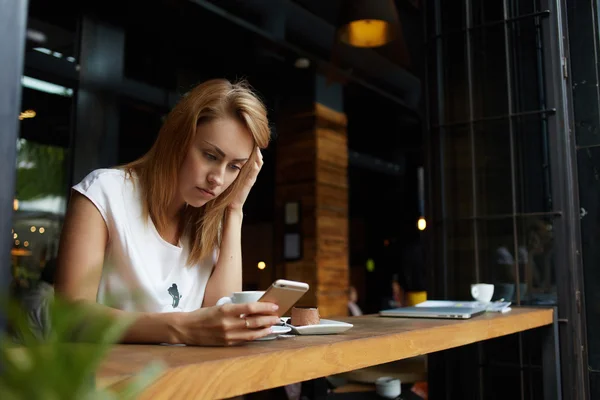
[[222, 153]]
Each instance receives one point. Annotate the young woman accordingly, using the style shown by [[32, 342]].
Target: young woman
[[160, 239]]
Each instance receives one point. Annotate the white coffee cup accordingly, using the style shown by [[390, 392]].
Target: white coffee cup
[[482, 292], [241, 297], [388, 387]]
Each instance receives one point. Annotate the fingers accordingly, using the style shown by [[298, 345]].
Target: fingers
[[260, 321], [259, 157], [260, 307], [246, 335], [256, 167], [240, 323]]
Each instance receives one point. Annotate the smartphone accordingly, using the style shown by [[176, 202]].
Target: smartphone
[[285, 294]]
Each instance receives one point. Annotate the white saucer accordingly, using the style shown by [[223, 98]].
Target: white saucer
[[277, 330], [325, 327]]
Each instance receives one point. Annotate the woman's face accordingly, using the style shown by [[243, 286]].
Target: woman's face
[[219, 150]]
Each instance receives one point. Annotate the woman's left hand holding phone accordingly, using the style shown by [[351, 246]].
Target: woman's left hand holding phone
[[226, 325]]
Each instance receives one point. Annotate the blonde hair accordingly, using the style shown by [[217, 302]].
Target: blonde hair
[[158, 170]]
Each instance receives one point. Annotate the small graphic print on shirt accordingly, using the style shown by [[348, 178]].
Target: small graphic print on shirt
[[174, 292]]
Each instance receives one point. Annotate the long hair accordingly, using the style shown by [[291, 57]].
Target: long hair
[[158, 170]]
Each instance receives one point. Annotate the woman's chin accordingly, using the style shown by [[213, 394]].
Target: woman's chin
[[197, 203]]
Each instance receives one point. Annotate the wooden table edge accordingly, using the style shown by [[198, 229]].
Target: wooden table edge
[[327, 359]]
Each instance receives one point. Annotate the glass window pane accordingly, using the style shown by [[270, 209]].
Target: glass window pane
[[41, 186], [537, 270], [492, 157], [533, 184], [531, 166], [527, 277], [527, 72], [455, 83], [519, 8], [489, 72], [460, 258], [485, 11], [496, 242], [457, 172]]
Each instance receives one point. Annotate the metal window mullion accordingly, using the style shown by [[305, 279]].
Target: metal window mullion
[[544, 13], [543, 104], [475, 223], [13, 22], [441, 132], [543, 112], [472, 135], [567, 232], [431, 240], [513, 172], [512, 146]]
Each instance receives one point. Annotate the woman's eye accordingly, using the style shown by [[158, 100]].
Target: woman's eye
[[235, 167], [210, 156]]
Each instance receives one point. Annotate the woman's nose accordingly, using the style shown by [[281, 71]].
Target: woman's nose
[[215, 177]]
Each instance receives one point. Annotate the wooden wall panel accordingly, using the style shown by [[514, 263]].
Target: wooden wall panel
[[331, 174], [333, 303], [333, 198], [332, 278], [329, 145]]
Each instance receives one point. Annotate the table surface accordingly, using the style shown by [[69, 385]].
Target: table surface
[[221, 372]]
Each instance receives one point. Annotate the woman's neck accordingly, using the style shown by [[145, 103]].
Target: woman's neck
[[175, 209]]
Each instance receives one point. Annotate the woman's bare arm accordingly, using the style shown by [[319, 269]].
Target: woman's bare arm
[[227, 275], [80, 262]]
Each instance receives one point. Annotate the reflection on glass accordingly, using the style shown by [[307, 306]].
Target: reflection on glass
[[537, 238], [40, 192], [525, 274]]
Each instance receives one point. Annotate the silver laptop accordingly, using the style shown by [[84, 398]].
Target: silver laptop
[[433, 312]]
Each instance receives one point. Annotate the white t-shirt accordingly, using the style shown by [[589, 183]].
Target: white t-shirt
[[142, 271]]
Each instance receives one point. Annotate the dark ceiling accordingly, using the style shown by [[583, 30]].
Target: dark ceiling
[[180, 42], [185, 41]]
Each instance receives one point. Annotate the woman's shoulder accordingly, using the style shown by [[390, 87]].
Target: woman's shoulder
[[108, 178]]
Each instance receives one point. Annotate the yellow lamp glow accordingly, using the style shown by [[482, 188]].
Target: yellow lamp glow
[[368, 33], [368, 23], [421, 224], [27, 114], [262, 265]]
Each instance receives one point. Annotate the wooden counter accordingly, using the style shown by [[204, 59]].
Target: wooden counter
[[217, 372]]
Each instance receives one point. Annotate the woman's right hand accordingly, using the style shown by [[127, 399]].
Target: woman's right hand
[[227, 325]]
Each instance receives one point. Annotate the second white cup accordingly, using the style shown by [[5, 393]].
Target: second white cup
[[482, 292]]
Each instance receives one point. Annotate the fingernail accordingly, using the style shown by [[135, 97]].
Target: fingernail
[[275, 307]]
